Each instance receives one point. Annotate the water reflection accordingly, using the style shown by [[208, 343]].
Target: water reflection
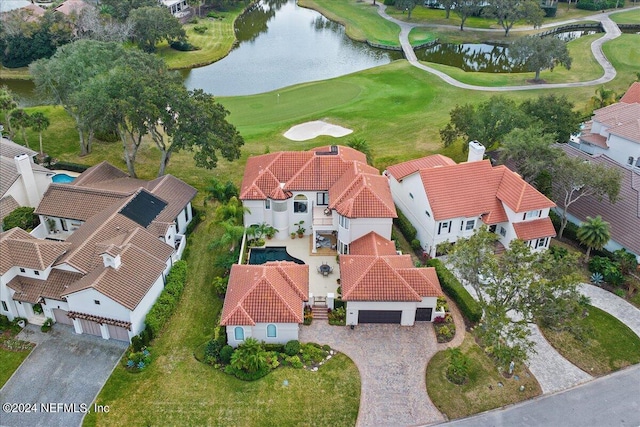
[[482, 57], [294, 45]]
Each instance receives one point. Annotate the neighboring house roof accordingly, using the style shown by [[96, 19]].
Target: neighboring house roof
[[477, 188], [8, 151], [102, 185], [369, 275], [623, 216], [620, 119], [356, 190], [20, 249], [372, 244], [71, 6], [130, 282], [7, 205], [632, 95], [31, 290], [536, 229], [402, 170], [593, 138], [269, 293]]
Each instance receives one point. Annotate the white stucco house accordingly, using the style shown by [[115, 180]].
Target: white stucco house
[[446, 201], [22, 182], [614, 131], [265, 302], [99, 258], [331, 190], [382, 286]]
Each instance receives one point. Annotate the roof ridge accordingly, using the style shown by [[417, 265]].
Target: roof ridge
[[289, 280]]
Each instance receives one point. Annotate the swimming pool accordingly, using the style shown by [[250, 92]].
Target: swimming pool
[[272, 253], [62, 178]]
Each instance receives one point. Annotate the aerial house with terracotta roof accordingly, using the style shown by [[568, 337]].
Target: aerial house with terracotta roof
[[331, 189], [99, 258], [446, 201]]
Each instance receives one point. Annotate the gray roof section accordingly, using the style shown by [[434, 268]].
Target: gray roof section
[[624, 215]]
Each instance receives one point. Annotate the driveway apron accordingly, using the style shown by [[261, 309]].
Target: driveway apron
[[392, 361], [63, 369]]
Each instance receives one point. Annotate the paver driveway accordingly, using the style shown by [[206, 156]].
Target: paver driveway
[[392, 361], [63, 368]]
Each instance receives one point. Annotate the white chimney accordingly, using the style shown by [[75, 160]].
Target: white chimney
[[111, 261], [476, 152], [23, 165]]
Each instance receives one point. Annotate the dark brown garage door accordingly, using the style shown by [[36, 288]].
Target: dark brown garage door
[[423, 314], [118, 333], [379, 316], [61, 317], [91, 328]]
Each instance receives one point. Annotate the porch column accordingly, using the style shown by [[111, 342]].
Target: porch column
[[313, 242], [104, 330]]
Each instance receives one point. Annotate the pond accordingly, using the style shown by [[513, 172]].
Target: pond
[[481, 57], [281, 44]]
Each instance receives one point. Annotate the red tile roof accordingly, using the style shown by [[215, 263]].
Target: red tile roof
[[269, 293], [477, 188], [356, 190], [632, 95], [536, 229], [20, 249], [374, 272], [402, 170], [372, 244]]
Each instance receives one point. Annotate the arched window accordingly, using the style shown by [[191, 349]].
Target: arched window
[[271, 331], [300, 204], [239, 333]]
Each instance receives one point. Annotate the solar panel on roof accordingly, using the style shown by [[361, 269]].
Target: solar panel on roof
[[143, 208]]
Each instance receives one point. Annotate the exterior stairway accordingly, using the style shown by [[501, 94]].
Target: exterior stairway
[[319, 313]]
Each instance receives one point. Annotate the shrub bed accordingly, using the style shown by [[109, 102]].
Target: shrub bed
[[469, 307], [337, 317], [166, 303], [406, 228]]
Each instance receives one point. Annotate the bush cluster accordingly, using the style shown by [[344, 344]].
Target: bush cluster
[[609, 269], [454, 289], [168, 300], [182, 46], [22, 217], [599, 4], [68, 166], [291, 348], [458, 369], [338, 317], [406, 228], [46, 326]]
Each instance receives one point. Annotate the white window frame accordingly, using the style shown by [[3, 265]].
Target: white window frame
[[4, 306], [267, 204], [444, 225], [322, 198], [235, 333], [344, 222], [502, 231], [298, 201], [470, 225], [275, 331]]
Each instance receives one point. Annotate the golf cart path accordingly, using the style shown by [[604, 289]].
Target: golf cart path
[[611, 32]]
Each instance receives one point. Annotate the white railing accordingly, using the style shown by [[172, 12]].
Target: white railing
[[181, 241]]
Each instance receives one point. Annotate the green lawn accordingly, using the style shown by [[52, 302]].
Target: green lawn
[[481, 392], [630, 17], [9, 362], [584, 68], [360, 19], [214, 44], [176, 389], [610, 345]]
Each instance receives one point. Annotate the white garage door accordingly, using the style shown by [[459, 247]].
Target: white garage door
[[61, 317], [91, 328], [118, 333]]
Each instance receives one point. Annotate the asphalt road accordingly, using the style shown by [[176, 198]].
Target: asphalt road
[[613, 400]]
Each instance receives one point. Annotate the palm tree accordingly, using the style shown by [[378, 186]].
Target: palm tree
[[22, 120], [232, 235], [39, 123], [7, 104], [249, 357], [233, 210], [603, 97], [593, 233]]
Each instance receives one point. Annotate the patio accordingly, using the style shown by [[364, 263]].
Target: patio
[[319, 285]]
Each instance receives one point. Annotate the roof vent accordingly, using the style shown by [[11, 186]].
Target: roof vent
[[334, 149]]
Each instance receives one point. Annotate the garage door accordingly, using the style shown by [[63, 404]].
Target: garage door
[[89, 327], [61, 317], [379, 316], [423, 314], [118, 333]]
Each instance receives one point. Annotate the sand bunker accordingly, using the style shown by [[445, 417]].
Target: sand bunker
[[310, 130]]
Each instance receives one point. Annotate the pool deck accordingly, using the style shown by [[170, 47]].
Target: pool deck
[[319, 285]]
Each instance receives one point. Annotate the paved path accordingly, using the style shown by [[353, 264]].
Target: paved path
[[606, 401], [392, 361], [64, 368], [611, 32], [617, 307]]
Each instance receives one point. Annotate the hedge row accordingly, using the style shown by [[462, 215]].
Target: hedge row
[[166, 303], [599, 4], [405, 226], [454, 289], [68, 166]]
